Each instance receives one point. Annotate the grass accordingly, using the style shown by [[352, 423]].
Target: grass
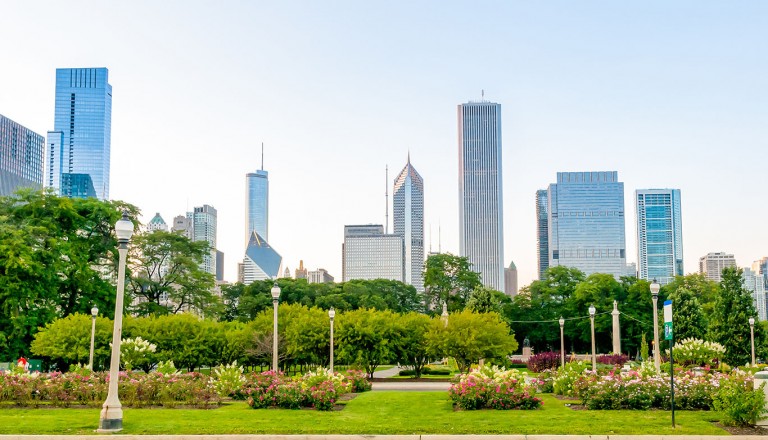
[[378, 412]]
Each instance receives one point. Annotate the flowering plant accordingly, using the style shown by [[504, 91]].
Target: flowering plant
[[135, 352], [493, 387], [697, 352], [543, 361], [358, 381], [567, 376], [227, 379]]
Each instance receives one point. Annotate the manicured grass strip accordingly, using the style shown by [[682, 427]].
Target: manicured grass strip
[[378, 412]]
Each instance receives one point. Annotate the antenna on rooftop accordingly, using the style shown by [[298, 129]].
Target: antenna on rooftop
[[386, 199], [482, 94], [262, 155]]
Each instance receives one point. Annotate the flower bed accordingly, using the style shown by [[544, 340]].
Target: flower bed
[[135, 390], [319, 389], [495, 388]]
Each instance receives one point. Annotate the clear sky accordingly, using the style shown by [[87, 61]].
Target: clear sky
[[669, 94]]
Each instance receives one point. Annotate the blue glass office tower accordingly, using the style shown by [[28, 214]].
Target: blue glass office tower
[[79, 145], [257, 205], [21, 157], [542, 231], [481, 233], [586, 222], [659, 234]]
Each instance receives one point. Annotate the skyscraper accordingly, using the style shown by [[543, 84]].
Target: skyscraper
[[79, 145], [659, 234], [510, 280], [21, 157], [368, 253], [261, 261], [203, 220], [542, 231], [157, 223], [408, 214], [257, 204], [712, 265], [753, 282], [481, 234], [586, 222]]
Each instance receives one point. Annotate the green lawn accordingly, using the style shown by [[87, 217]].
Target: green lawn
[[378, 412]]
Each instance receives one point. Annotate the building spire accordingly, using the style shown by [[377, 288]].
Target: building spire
[[262, 156], [386, 199]]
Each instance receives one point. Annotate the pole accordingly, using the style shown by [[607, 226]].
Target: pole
[[656, 346], [111, 419], [562, 344], [93, 335], [672, 381], [752, 339], [331, 345], [274, 336], [594, 359]]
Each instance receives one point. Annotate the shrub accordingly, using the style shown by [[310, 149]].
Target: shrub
[[566, 377], [437, 371], [493, 387], [546, 380], [227, 379], [407, 373], [613, 359], [358, 380], [321, 374], [289, 395], [738, 401], [696, 352], [135, 352], [323, 395], [166, 368], [543, 361]]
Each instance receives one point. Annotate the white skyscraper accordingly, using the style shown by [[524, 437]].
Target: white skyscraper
[[408, 213], [753, 282], [481, 234], [712, 265], [368, 253], [203, 221]]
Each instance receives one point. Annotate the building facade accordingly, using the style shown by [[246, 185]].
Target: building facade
[[319, 276], [202, 222], [481, 234], [542, 231], [586, 222], [408, 216], [753, 281], [257, 204], [21, 157], [712, 265], [79, 145], [261, 261], [659, 234], [510, 280], [368, 254], [157, 223], [301, 272]]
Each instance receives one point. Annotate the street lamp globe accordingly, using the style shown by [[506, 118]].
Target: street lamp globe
[[95, 312], [124, 228], [751, 321], [561, 321], [331, 313], [275, 291], [655, 287], [592, 311]]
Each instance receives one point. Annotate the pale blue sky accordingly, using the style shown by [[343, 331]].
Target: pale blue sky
[[669, 94]]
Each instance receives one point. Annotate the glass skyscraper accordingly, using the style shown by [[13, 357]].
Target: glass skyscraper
[[257, 205], [408, 214], [481, 234], [368, 253], [21, 157], [542, 231], [586, 222], [203, 221], [659, 234], [79, 145]]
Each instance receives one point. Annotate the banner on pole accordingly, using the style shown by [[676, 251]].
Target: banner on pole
[[668, 320]]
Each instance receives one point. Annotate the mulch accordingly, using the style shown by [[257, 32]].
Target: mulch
[[743, 430]]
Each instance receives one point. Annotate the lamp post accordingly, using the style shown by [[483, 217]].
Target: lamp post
[[94, 313], [111, 418], [562, 342], [275, 298], [331, 314], [655, 297], [752, 338], [592, 321]]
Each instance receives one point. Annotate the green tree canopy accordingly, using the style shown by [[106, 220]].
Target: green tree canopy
[[449, 279]]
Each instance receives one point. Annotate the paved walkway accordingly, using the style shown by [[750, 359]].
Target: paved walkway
[[382, 374]]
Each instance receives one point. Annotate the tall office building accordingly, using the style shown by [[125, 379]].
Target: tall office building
[[586, 222], [203, 225], [659, 234], [301, 271], [753, 281], [542, 231], [408, 214], [481, 234], [261, 261], [257, 204], [510, 280], [157, 223], [368, 254], [319, 276], [712, 265], [79, 145], [21, 157]]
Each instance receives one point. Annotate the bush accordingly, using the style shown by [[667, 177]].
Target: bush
[[493, 387], [546, 380], [696, 352], [226, 379], [543, 361], [358, 381], [437, 371], [407, 373], [323, 395], [566, 377], [613, 359], [738, 401]]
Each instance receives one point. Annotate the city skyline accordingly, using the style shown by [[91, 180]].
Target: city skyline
[[669, 95]]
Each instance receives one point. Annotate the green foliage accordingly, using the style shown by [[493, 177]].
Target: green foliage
[[136, 353], [368, 338], [696, 352], [411, 346], [67, 341], [484, 300], [449, 279], [643, 348], [469, 337], [739, 403], [566, 377], [166, 368], [185, 339], [687, 315], [729, 322], [227, 379]]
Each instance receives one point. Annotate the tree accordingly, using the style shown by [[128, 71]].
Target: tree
[[187, 340], [166, 275], [67, 341], [729, 323], [703, 289], [367, 338], [484, 300], [449, 279], [412, 344], [687, 315], [469, 337]]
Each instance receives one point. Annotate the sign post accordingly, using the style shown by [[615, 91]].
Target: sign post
[[668, 335]]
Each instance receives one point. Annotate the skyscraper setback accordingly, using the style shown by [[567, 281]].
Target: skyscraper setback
[[78, 160], [586, 222], [481, 235], [408, 215], [659, 234], [257, 202]]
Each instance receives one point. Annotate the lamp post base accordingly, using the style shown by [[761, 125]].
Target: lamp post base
[[111, 420]]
